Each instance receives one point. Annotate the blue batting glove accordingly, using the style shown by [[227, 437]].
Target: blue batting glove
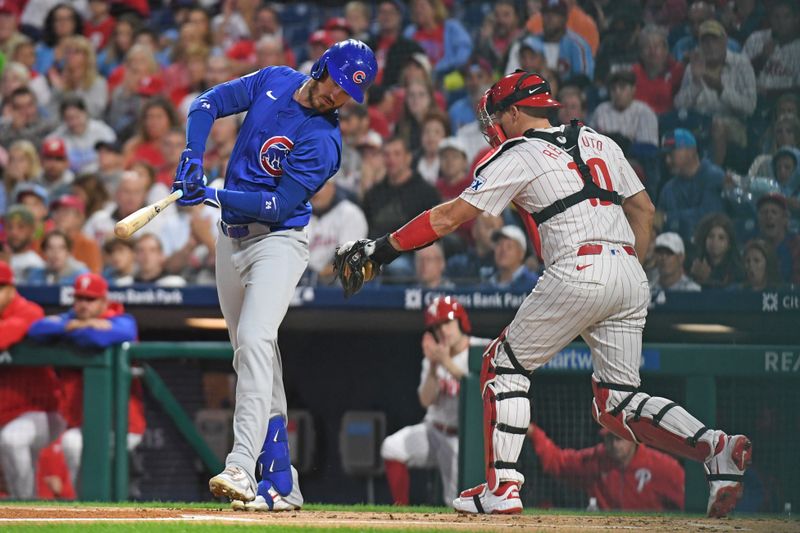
[[189, 176]]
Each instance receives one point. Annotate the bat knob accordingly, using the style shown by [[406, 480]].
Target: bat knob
[[122, 230]]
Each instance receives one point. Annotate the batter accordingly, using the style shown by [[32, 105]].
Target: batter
[[289, 145]]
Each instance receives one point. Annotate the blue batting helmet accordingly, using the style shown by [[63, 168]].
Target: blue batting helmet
[[351, 64]]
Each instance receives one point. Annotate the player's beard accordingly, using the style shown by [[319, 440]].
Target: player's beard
[[317, 100]]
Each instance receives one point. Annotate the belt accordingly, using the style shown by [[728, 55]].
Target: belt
[[447, 430], [597, 249], [240, 231]]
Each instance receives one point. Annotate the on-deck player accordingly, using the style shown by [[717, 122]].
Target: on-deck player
[[592, 228], [288, 146], [434, 441]]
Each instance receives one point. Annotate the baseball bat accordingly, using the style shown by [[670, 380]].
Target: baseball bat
[[134, 222]]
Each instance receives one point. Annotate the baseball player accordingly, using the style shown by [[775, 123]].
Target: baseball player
[[28, 410], [594, 220], [434, 441], [288, 146]]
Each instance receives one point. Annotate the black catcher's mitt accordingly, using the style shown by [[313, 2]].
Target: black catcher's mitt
[[354, 266]]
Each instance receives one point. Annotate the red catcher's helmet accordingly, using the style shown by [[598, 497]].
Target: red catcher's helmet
[[444, 309], [525, 89]]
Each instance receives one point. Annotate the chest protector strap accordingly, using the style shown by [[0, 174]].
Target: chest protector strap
[[568, 141]]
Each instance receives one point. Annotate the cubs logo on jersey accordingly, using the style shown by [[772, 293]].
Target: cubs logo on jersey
[[273, 152]]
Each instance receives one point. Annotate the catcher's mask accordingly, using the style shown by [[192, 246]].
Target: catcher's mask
[[524, 89], [444, 309]]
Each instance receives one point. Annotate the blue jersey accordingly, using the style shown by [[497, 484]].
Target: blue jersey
[[279, 139]]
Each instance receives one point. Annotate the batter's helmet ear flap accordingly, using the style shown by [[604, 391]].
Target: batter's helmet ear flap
[[352, 66]]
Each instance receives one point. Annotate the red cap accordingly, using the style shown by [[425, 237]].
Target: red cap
[[9, 7], [322, 37], [54, 147], [337, 23], [6, 274], [69, 200], [150, 85], [91, 285], [775, 198]]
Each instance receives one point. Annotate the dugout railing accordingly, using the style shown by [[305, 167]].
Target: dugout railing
[[713, 381]]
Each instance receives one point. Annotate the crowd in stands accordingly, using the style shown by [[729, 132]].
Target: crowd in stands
[[702, 96]]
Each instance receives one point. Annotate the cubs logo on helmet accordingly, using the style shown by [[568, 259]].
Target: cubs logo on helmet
[[359, 76], [273, 152]]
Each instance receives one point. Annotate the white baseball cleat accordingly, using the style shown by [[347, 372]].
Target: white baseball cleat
[[233, 483], [725, 475], [480, 500]]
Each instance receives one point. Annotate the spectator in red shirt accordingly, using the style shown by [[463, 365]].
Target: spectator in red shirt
[[620, 474], [156, 119], [658, 75], [29, 418], [100, 25]]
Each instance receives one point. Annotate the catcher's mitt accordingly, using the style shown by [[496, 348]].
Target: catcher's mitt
[[353, 265]]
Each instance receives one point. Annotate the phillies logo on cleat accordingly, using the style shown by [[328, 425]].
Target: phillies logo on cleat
[[359, 76], [273, 152]]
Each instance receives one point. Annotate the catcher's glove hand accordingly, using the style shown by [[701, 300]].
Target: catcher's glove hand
[[353, 265]]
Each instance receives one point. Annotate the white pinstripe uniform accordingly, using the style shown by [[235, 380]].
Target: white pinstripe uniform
[[593, 286]]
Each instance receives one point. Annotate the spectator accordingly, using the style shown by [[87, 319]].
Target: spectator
[[670, 255], [110, 165], [10, 36], [190, 244], [358, 16], [151, 262], [18, 251], [478, 76], [694, 188], [505, 28], [453, 175], [79, 77], [773, 227], [243, 52], [418, 103], [786, 170], [397, 198], [334, 219], [445, 346], [699, 13], [620, 474], [63, 21], [573, 104], [717, 263], [15, 75], [574, 55], [477, 263], [429, 265], [658, 75], [81, 133], [445, 40], [624, 115], [743, 17], [217, 69], [354, 126], [435, 127], [100, 24], [131, 194], [270, 51], [578, 21], [95, 323], [56, 175], [61, 267], [69, 214], [510, 271], [29, 418], [373, 167], [620, 47], [775, 52], [156, 119], [24, 121], [138, 79], [760, 267], [721, 84], [786, 133], [392, 49], [122, 39], [35, 198], [23, 166], [318, 42], [121, 262], [91, 189], [529, 55]]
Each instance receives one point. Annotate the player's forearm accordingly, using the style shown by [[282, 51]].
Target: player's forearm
[[429, 390], [433, 224], [451, 367], [640, 211], [265, 206]]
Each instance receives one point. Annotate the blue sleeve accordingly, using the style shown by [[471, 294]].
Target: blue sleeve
[[457, 45], [270, 206], [221, 100], [48, 327], [123, 328]]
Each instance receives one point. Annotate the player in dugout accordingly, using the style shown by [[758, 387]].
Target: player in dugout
[[620, 474], [93, 322]]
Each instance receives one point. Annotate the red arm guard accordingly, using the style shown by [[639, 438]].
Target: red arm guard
[[417, 233]]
